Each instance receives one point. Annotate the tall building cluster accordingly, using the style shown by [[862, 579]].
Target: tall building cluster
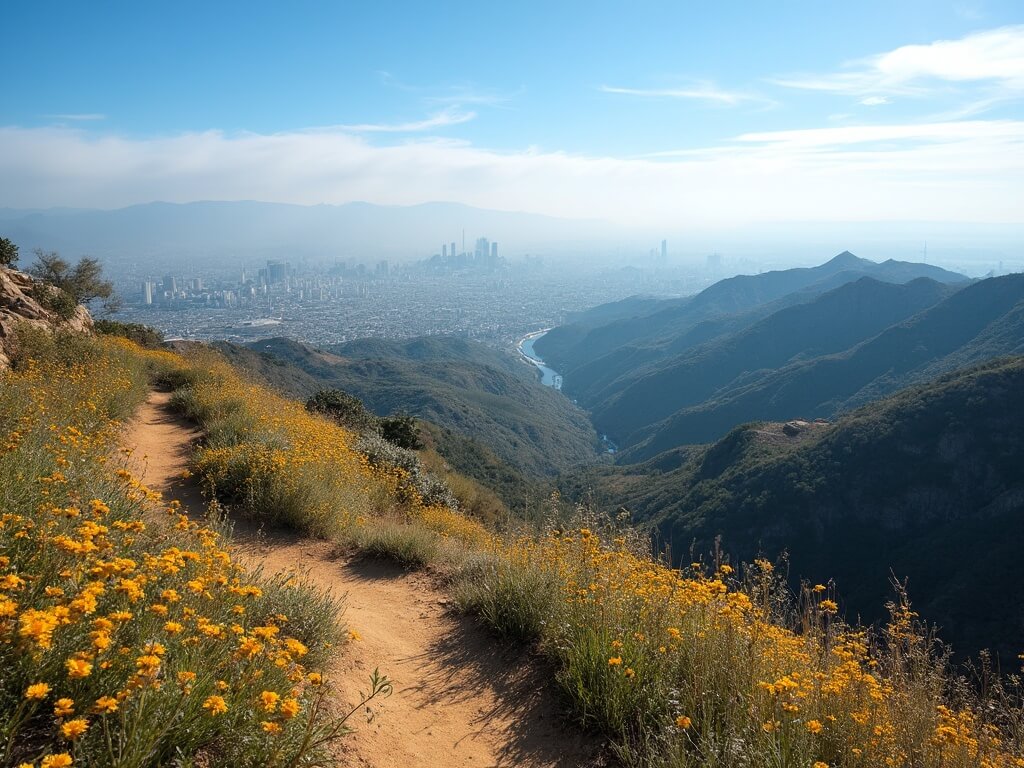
[[484, 257]]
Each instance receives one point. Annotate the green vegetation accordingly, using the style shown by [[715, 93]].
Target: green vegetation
[[78, 284], [8, 253], [81, 284], [143, 335], [402, 430], [342, 408], [925, 484], [128, 636], [482, 393]]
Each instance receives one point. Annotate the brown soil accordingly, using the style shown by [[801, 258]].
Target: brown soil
[[460, 698]]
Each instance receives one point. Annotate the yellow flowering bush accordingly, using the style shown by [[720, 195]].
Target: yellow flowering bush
[[128, 635], [699, 668]]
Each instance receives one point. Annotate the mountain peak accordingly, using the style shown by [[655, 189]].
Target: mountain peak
[[847, 259]]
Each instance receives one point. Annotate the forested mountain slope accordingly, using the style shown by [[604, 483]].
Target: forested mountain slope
[[974, 324], [925, 484]]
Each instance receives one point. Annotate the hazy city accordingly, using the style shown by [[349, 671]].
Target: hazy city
[[477, 295]]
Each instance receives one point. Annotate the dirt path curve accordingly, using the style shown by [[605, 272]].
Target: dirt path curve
[[461, 699]]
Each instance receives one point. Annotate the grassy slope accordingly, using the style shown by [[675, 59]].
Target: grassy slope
[[926, 483], [467, 388]]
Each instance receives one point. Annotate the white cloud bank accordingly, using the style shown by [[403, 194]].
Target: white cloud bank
[[994, 56], [955, 171]]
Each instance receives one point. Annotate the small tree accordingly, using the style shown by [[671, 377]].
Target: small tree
[[401, 430], [8, 253], [82, 283], [347, 410]]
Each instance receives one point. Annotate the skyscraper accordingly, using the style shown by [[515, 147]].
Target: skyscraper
[[277, 272], [664, 252], [494, 253], [444, 251], [453, 249], [482, 249]]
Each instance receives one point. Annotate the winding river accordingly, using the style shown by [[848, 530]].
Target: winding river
[[548, 376]]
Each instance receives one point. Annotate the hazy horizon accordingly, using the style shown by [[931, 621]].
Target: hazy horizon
[[647, 119], [248, 232]]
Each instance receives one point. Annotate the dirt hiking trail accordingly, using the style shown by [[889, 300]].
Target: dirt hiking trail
[[461, 698]]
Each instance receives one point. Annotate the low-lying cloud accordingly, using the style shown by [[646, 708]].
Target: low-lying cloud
[[957, 171]]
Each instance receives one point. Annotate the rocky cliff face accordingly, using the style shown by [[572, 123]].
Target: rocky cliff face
[[18, 306]]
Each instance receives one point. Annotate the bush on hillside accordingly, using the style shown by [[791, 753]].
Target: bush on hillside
[[8, 253], [82, 283], [346, 410], [143, 335], [383, 453], [402, 430]]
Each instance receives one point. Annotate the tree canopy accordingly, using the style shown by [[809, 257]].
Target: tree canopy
[[82, 282], [8, 253]]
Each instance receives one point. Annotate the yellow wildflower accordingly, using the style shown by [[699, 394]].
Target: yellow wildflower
[[37, 691], [215, 705], [72, 729]]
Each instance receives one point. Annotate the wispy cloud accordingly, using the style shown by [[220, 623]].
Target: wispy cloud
[[701, 91], [874, 101], [77, 116], [992, 58], [455, 95], [441, 119]]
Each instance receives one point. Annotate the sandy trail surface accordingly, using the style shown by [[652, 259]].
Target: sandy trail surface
[[460, 697]]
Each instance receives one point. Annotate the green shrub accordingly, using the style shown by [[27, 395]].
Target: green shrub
[[408, 544], [143, 335], [513, 600]]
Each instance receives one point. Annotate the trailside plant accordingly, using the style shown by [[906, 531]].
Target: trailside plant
[[124, 640]]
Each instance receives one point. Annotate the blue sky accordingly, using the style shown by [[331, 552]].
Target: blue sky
[[641, 112]]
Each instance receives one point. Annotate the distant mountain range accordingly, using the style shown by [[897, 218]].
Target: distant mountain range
[[653, 329], [658, 374], [925, 485], [978, 322], [177, 234]]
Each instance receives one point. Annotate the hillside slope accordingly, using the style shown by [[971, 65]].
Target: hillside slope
[[974, 324], [926, 483], [832, 322], [467, 388]]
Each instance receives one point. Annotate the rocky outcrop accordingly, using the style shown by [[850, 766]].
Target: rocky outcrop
[[18, 306]]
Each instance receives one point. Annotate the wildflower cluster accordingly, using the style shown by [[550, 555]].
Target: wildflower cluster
[[128, 636], [268, 457], [699, 668]]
